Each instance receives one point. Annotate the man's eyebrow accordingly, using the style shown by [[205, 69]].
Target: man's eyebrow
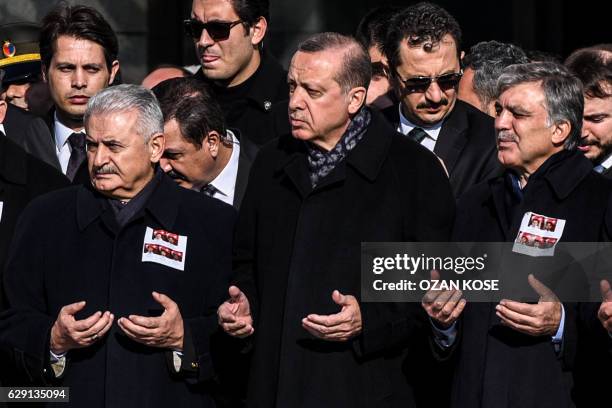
[[597, 115], [517, 109]]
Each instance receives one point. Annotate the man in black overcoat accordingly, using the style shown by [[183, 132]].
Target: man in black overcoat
[[593, 66], [423, 48], [90, 306], [342, 177], [517, 354]]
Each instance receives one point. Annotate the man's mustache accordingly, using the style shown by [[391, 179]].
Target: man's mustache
[[587, 142], [434, 105], [106, 169], [506, 136], [176, 175]]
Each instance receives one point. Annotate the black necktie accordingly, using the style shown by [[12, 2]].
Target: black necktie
[[417, 134], [77, 157], [209, 190]]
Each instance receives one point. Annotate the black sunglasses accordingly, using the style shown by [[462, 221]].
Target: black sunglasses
[[217, 30], [420, 84]]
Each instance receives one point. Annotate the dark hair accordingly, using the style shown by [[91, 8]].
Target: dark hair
[[420, 24], [542, 56], [191, 103], [249, 11], [372, 29], [488, 59], [562, 93], [77, 21], [356, 69], [593, 68]]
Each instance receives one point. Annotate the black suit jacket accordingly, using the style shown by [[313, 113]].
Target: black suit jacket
[[82, 174], [68, 247], [30, 132], [499, 367], [295, 245], [466, 144]]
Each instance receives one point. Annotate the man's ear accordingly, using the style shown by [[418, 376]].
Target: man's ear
[[3, 108], [156, 145], [113, 71], [43, 72], [258, 31], [561, 132], [212, 141], [356, 98]]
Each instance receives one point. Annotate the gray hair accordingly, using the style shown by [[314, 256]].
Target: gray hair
[[356, 69], [124, 98], [562, 93], [488, 59]]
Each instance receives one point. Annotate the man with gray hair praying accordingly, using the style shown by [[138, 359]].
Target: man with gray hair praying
[[98, 301], [520, 352]]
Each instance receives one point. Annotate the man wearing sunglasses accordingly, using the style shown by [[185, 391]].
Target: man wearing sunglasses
[[228, 36], [423, 50]]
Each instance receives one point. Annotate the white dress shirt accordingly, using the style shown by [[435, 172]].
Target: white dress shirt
[[2, 129], [405, 126], [225, 182], [62, 147]]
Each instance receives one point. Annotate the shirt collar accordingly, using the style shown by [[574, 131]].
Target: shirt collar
[[606, 163], [62, 132], [2, 129], [225, 182], [405, 126]]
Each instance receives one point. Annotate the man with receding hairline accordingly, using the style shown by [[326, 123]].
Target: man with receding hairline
[[343, 176]]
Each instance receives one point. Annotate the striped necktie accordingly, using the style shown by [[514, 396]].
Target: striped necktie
[[209, 190]]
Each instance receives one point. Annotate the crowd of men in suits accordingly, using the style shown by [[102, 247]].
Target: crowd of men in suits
[[196, 240]]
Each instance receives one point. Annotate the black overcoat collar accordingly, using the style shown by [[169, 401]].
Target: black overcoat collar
[[366, 158], [562, 172], [162, 205]]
